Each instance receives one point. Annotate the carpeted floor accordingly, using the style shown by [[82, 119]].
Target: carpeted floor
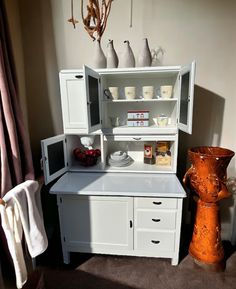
[[113, 272]]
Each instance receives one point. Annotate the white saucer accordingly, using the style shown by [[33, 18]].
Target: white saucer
[[118, 156], [121, 163]]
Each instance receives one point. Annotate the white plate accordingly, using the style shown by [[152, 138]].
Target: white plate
[[118, 156], [127, 161]]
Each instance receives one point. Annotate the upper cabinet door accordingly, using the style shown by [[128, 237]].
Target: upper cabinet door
[[187, 78], [93, 97], [54, 157], [73, 100]]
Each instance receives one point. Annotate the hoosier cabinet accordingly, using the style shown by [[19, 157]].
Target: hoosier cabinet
[[130, 201]]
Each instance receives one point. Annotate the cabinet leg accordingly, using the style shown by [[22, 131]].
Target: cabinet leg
[[175, 261], [66, 257]]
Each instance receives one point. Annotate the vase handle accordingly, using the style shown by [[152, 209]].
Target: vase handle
[[187, 176], [224, 192]]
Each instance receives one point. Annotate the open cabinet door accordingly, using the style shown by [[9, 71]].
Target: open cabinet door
[[187, 78], [54, 157], [93, 95]]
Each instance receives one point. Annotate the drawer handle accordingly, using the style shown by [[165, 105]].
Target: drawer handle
[[157, 203], [137, 138], [156, 220], [79, 76], [155, 242]]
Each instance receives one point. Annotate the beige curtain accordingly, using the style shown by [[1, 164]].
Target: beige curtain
[[15, 153], [16, 158]]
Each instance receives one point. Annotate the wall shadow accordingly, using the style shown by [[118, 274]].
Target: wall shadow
[[207, 125], [207, 130], [41, 73]]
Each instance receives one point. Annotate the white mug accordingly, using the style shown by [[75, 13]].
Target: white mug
[[130, 92], [112, 92], [166, 91], [148, 92], [161, 120]]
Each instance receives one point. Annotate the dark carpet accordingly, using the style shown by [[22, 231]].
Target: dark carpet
[[113, 272]]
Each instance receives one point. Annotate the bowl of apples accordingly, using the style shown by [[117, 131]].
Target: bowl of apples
[[86, 157]]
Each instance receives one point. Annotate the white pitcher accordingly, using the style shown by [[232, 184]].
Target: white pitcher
[[99, 60], [144, 57], [112, 58], [127, 58]]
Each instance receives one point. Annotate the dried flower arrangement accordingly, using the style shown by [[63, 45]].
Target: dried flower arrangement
[[96, 19]]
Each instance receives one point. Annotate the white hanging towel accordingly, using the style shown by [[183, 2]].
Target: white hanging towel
[[23, 210]]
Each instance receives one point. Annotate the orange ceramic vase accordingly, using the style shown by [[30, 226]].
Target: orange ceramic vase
[[207, 177]]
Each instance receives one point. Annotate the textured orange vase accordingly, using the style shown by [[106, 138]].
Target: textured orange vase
[[207, 177]]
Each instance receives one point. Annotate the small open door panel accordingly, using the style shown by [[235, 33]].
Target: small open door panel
[[54, 157], [93, 95], [187, 77]]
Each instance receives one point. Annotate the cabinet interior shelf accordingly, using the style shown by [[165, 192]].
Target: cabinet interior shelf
[[140, 100], [169, 129], [134, 167], [141, 167]]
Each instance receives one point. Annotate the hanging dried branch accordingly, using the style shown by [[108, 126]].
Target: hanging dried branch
[[96, 19], [72, 19]]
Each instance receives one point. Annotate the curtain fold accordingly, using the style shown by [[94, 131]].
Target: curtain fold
[[15, 152], [16, 163]]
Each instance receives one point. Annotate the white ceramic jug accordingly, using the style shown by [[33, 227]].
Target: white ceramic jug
[[127, 58], [112, 58], [144, 57], [99, 60]]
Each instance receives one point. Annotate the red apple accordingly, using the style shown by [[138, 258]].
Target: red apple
[[98, 152], [76, 151]]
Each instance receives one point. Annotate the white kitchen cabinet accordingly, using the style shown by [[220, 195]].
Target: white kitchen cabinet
[[82, 96], [130, 210], [122, 214], [58, 156]]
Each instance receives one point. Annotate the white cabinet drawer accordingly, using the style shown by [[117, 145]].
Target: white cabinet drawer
[[148, 240], [155, 203], [140, 138], [156, 220]]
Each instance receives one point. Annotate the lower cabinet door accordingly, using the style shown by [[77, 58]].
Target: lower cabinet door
[[97, 224]]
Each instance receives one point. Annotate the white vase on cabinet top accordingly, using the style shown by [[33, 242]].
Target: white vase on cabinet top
[[127, 58], [112, 58], [144, 57], [99, 60]]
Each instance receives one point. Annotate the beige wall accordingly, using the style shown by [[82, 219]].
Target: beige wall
[[186, 29]]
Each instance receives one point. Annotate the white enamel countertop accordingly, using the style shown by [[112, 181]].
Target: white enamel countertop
[[119, 184]]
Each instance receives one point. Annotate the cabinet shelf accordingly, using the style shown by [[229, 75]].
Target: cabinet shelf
[[141, 168], [96, 168], [153, 129], [140, 100]]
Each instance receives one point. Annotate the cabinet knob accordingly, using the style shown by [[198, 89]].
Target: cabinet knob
[[89, 102], [156, 220], [157, 203], [79, 76], [155, 241]]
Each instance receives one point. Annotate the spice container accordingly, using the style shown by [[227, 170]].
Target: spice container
[[163, 154], [138, 118], [148, 154]]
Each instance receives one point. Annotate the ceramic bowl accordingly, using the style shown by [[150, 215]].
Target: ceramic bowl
[[87, 141]]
